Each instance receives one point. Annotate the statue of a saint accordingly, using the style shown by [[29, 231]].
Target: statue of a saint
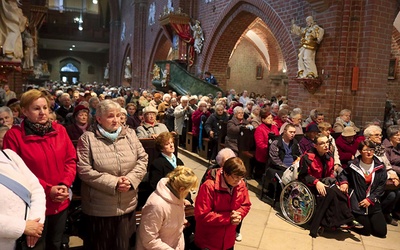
[[156, 72], [198, 36], [311, 37], [29, 52], [12, 24], [107, 72], [128, 64]]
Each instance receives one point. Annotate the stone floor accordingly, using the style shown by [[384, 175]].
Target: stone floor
[[264, 229]]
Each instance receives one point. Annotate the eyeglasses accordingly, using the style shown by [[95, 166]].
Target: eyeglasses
[[377, 135], [368, 150], [236, 177]]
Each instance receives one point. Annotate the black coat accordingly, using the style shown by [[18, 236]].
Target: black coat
[[359, 190], [159, 169]]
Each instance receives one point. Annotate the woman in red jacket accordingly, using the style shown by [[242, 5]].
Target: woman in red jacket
[[261, 137], [48, 152], [221, 204]]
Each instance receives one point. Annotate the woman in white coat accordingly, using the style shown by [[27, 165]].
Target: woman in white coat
[[163, 215], [16, 217]]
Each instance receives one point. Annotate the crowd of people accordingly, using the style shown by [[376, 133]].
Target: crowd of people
[[87, 142]]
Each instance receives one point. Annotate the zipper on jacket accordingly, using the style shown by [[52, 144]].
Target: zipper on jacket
[[119, 173]]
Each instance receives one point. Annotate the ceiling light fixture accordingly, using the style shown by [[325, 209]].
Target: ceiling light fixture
[[94, 1], [73, 45]]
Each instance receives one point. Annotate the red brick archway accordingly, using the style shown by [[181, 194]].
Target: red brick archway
[[159, 52], [235, 20]]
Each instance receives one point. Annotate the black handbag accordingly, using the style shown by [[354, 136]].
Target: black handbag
[[20, 243]]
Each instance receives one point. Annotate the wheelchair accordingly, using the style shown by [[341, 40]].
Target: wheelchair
[[297, 203]]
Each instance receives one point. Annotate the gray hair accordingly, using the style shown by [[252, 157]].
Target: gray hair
[[392, 130], [255, 107], [92, 99], [237, 109], [223, 155], [370, 129], [106, 105], [6, 109], [344, 111], [274, 105], [296, 111]]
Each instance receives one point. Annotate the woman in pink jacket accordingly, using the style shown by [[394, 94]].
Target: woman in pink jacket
[[163, 215], [221, 204], [48, 152]]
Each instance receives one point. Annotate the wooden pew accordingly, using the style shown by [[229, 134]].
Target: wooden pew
[[149, 146], [247, 147], [189, 136], [221, 135]]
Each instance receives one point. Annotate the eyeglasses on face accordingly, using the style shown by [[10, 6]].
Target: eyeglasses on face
[[377, 135], [368, 150]]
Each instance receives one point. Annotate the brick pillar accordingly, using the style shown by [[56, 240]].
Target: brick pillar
[[140, 76]]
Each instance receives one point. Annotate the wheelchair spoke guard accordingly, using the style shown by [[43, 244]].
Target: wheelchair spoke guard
[[297, 203]]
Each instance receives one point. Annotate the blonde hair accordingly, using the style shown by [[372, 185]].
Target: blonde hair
[[32, 95], [183, 177]]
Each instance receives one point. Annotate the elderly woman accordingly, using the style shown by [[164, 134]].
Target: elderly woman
[[6, 116], [199, 117], [93, 102], [38, 141], [212, 127], [15, 218], [365, 180], [347, 144], [163, 215], [393, 155], [373, 133], [281, 118], [80, 123], [254, 118], [233, 129], [150, 128], [112, 163], [221, 204], [344, 121], [166, 161], [262, 136], [132, 120], [16, 110], [294, 119], [163, 106]]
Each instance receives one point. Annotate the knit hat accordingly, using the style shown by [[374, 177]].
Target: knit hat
[[79, 108]]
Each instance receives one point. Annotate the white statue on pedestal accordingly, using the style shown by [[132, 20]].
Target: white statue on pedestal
[[311, 37], [107, 72], [198, 36], [29, 52], [128, 64]]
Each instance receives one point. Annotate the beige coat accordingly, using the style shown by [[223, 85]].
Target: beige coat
[[101, 162]]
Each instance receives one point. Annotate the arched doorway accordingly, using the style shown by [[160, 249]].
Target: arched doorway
[[69, 71]]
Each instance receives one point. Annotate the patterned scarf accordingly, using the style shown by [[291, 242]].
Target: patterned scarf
[[39, 129], [379, 149]]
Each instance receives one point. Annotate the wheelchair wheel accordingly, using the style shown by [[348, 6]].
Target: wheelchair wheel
[[297, 203]]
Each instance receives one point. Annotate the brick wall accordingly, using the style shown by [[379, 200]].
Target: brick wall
[[357, 33]]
